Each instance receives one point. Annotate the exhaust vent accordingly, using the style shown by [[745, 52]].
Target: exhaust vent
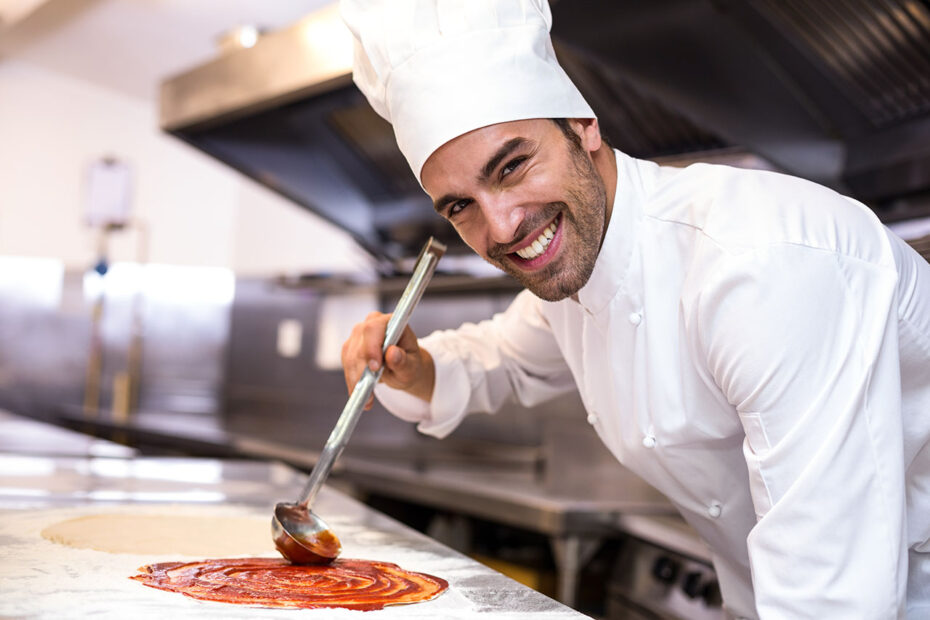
[[632, 121], [875, 51]]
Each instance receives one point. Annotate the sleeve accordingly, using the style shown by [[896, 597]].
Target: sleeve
[[803, 343], [479, 367]]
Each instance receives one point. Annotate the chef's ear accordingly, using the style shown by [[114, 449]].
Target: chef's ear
[[589, 131]]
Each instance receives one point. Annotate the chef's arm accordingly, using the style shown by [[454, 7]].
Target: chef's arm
[[480, 366], [803, 343]]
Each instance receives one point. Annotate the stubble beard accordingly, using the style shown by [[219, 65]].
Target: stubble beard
[[582, 231]]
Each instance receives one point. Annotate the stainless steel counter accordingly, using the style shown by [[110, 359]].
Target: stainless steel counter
[[519, 498], [39, 578], [19, 435]]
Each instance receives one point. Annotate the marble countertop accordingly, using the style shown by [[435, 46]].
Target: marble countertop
[[42, 579]]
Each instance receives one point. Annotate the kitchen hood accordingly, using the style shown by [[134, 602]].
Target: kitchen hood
[[836, 91]]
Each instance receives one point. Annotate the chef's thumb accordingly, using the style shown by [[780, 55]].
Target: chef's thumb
[[395, 357]]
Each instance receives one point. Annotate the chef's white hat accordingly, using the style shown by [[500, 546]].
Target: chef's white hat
[[437, 69]]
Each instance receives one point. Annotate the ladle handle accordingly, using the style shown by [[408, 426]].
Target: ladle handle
[[422, 272]]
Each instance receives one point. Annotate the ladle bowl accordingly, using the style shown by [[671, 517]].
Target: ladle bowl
[[303, 537]]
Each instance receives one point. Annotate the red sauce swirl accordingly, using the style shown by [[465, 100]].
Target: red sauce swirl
[[274, 582]]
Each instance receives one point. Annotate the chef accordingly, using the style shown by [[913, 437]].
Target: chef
[[754, 345]]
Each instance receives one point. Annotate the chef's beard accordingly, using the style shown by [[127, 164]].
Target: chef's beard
[[582, 226]]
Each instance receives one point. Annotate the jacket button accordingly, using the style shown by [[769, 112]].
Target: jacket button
[[592, 418], [714, 510], [649, 441], [636, 318]]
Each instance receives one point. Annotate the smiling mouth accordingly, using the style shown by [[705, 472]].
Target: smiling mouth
[[539, 245]]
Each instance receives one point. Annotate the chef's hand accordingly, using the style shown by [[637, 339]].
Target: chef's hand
[[407, 366]]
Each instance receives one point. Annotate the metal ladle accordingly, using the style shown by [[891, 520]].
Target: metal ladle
[[300, 535]]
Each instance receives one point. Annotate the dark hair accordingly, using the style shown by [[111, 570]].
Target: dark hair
[[568, 132]]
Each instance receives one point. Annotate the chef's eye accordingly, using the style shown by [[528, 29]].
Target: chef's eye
[[457, 207], [512, 165]]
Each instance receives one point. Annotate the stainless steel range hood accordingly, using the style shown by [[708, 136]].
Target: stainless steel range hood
[[833, 90], [285, 112], [837, 91]]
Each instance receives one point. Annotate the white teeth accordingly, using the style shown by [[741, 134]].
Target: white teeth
[[539, 245]]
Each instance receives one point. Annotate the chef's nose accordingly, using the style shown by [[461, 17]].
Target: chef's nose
[[503, 216]]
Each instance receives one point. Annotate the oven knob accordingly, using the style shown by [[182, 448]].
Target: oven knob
[[693, 584], [665, 569]]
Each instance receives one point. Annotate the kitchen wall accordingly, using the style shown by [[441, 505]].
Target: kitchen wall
[[197, 211], [206, 225]]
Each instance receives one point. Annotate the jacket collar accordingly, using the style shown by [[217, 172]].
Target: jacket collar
[[634, 180]]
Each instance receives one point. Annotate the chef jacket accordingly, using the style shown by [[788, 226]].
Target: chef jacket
[[756, 347]]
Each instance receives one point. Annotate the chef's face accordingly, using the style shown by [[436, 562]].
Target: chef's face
[[526, 198]]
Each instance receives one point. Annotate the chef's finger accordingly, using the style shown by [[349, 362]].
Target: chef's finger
[[347, 370], [352, 375], [355, 350], [373, 329], [352, 378]]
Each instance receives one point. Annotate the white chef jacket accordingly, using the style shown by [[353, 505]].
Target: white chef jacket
[[757, 347]]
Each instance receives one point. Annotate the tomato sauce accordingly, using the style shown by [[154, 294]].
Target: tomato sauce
[[274, 582]]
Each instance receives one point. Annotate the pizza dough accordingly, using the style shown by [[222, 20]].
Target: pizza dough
[[165, 534]]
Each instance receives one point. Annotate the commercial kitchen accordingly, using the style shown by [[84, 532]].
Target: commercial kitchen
[[197, 204]]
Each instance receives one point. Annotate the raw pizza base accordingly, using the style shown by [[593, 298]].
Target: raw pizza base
[[146, 534]]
